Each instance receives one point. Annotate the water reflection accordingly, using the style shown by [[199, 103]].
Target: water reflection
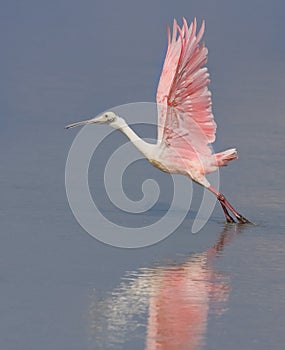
[[167, 304]]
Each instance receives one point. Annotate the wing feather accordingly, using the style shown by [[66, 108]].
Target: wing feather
[[185, 118]]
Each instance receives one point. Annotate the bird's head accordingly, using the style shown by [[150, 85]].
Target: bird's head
[[109, 118]]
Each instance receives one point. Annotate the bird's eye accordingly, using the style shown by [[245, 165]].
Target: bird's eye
[[106, 116]]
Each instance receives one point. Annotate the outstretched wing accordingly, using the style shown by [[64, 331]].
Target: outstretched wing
[[185, 118]]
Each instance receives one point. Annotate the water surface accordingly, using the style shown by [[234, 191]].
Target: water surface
[[222, 288]]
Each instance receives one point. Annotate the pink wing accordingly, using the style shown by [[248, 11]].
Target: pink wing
[[185, 118]]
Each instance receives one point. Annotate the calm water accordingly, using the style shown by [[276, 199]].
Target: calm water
[[222, 288]]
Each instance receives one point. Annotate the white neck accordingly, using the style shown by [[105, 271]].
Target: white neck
[[144, 147]]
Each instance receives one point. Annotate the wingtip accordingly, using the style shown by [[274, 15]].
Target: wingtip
[[201, 30]]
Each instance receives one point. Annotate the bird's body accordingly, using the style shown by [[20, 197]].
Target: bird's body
[[186, 125]]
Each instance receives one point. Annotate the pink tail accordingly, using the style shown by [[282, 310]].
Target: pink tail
[[223, 157]]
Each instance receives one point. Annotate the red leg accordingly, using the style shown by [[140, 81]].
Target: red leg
[[228, 217], [226, 205]]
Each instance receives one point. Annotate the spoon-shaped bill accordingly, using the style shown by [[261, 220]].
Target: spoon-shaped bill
[[83, 122], [97, 120]]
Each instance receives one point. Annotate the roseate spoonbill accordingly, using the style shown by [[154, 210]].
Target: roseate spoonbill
[[186, 124]]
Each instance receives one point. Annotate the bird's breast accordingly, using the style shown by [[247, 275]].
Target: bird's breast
[[159, 165]]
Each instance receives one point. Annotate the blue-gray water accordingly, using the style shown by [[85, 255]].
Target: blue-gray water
[[61, 288]]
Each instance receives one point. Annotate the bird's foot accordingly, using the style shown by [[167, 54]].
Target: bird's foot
[[242, 219], [230, 220]]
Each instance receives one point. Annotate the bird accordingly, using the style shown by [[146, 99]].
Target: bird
[[185, 127]]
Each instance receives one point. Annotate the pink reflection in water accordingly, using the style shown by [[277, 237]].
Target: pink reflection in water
[[180, 302], [171, 302]]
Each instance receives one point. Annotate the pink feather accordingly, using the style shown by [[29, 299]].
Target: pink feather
[[182, 95]]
